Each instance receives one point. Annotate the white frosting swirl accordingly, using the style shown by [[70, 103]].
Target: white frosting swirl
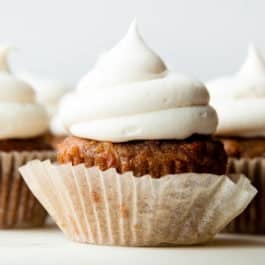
[[240, 99], [130, 95], [48, 92], [20, 116]]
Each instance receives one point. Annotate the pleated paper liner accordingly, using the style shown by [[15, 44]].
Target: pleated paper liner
[[18, 207], [252, 220], [92, 206]]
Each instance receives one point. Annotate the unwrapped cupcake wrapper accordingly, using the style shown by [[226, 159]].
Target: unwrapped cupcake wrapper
[[252, 220], [18, 207], [107, 208]]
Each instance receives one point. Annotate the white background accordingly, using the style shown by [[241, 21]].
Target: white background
[[62, 38]]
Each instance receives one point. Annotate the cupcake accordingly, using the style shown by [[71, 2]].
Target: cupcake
[[22, 138], [140, 167], [240, 104], [49, 93]]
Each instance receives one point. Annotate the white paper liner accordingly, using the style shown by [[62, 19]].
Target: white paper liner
[[18, 207], [252, 220], [108, 208]]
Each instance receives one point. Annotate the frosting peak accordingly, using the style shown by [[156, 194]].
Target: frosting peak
[[254, 64], [131, 95], [251, 77], [131, 60]]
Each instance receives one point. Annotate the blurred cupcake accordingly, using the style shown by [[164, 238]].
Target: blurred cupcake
[[240, 104], [141, 168], [49, 93], [24, 124]]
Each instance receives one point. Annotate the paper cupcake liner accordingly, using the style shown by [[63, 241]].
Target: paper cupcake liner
[[18, 207], [252, 220], [104, 207]]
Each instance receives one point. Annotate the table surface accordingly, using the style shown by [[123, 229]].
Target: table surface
[[49, 246]]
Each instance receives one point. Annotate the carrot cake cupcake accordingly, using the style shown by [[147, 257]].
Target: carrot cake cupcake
[[24, 124], [141, 167], [240, 104]]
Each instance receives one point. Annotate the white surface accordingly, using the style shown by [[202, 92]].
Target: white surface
[[49, 246], [207, 38]]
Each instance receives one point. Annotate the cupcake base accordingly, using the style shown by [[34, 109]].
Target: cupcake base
[[108, 208], [252, 220], [18, 207]]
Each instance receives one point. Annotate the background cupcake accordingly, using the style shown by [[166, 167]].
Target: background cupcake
[[49, 93], [141, 168], [240, 104], [24, 124]]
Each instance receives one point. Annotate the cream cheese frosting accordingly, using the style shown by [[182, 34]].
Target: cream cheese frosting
[[20, 116], [240, 100], [48, 92], [131, 95], [57, 126]]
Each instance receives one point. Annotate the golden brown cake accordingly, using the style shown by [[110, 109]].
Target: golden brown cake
[[199, 154], [244, 147]]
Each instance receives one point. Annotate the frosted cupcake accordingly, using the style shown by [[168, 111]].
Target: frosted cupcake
[[49, 93], [24, 124], [141, 167], [240, 104]]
